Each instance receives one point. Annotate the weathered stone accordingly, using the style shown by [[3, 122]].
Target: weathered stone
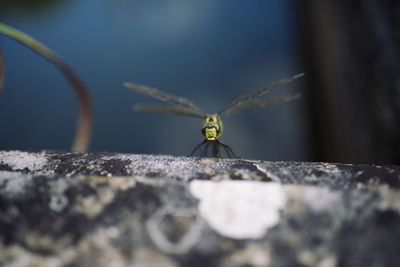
[[105, 209]]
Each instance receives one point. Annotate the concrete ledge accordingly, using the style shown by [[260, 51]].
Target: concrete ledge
[[107, 209]]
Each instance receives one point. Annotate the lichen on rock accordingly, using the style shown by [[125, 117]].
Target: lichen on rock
[[103, 209]]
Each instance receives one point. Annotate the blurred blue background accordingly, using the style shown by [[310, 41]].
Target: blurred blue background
[[207, 51]]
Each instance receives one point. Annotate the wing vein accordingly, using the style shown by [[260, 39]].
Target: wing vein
[[176, 110], [226, 111], [153, 92]]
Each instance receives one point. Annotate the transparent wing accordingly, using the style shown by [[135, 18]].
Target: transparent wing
[[243, 99], [175, 100], [259, 103], [177, 110]]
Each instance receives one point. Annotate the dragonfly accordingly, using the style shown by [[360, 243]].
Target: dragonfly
[[212, 125]]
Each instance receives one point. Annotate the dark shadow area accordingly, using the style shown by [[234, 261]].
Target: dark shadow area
[[353, 61], [29, 4]]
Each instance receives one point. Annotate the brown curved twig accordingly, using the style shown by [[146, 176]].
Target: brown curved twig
[[84, 128]]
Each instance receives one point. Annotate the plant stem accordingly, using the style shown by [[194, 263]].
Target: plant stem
[[84, 128]]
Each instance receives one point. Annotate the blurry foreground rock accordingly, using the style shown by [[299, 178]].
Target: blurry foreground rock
[[79, 209]]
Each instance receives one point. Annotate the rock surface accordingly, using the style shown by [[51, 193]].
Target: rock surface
[[105, 209]]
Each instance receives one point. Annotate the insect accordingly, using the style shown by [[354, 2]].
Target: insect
[[212, 125]]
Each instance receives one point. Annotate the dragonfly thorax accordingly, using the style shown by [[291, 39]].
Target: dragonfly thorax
[[212, 127]]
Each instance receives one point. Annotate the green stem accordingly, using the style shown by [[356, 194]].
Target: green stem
[[84, 128]]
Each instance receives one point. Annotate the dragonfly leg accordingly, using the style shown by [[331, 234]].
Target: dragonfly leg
[[207, 145], [215, 152], [228, 150], [197, 148]]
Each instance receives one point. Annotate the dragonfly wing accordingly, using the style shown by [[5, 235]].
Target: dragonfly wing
[[260, 103], [153, 92], [243, 99], [177, 110]]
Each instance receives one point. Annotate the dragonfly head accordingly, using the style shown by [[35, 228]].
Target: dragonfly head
[[212, 127]]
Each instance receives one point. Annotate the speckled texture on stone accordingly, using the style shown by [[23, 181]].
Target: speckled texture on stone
[[106, 209], [22, 161]]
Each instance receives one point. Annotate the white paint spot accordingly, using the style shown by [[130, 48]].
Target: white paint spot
[[320, 199], [12, 183], [239, 209], [19, 160]]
